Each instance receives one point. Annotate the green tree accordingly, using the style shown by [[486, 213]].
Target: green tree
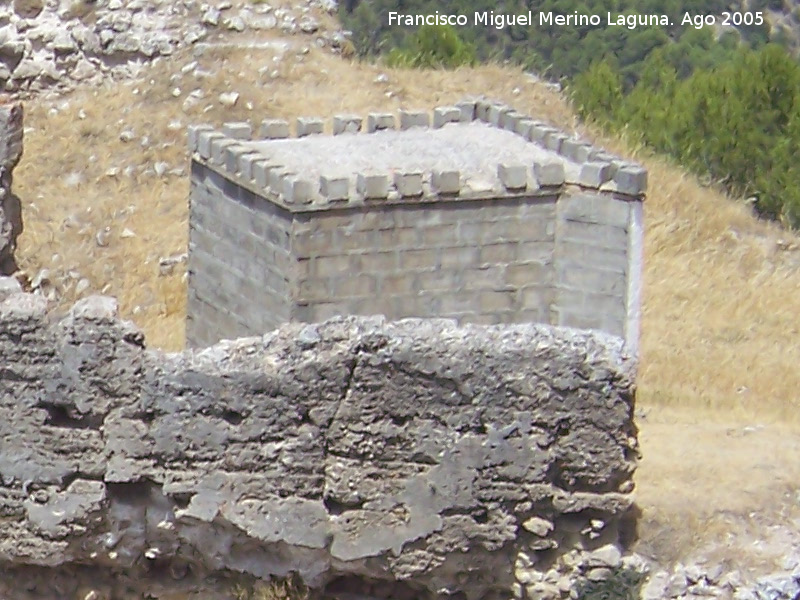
[[597, 93], [433, 46], [737, 122]]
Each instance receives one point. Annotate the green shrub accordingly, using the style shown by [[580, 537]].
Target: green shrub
[[433, 46], [597, 93]]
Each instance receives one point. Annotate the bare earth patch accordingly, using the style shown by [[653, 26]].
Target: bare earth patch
[[710, 488]]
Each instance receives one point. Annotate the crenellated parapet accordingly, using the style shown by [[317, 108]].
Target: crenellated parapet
[[524, 156]]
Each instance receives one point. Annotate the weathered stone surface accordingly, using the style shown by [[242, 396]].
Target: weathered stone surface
[[10, 209], [59, 43], [28, 8], [412, 452]]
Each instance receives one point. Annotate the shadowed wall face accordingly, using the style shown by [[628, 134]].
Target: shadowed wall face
[[10, 210], [486, 218], [418, 453]]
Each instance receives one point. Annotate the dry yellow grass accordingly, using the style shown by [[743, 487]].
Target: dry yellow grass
[[720, 305], [719, 331]]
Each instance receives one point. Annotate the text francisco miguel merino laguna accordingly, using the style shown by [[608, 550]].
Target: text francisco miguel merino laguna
[[500, 20]]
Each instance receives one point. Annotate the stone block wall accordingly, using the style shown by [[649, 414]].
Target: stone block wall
[[487, 217], [466, 262], [240, 253], [598, 254], [414, 459]]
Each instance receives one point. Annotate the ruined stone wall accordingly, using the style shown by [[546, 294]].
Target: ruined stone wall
[[486, 217], [59, 44], [10, 209], [413, 459]]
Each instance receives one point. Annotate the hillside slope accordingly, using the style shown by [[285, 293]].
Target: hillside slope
[[104, 184]]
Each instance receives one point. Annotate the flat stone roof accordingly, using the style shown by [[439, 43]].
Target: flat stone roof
[[477, 149], [474, 149]]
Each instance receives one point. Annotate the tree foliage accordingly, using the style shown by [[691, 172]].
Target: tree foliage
[[551, 50], [433, 46], [737, 122], [725, 103]]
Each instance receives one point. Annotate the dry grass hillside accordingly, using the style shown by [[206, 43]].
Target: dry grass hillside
[[720, 330]]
